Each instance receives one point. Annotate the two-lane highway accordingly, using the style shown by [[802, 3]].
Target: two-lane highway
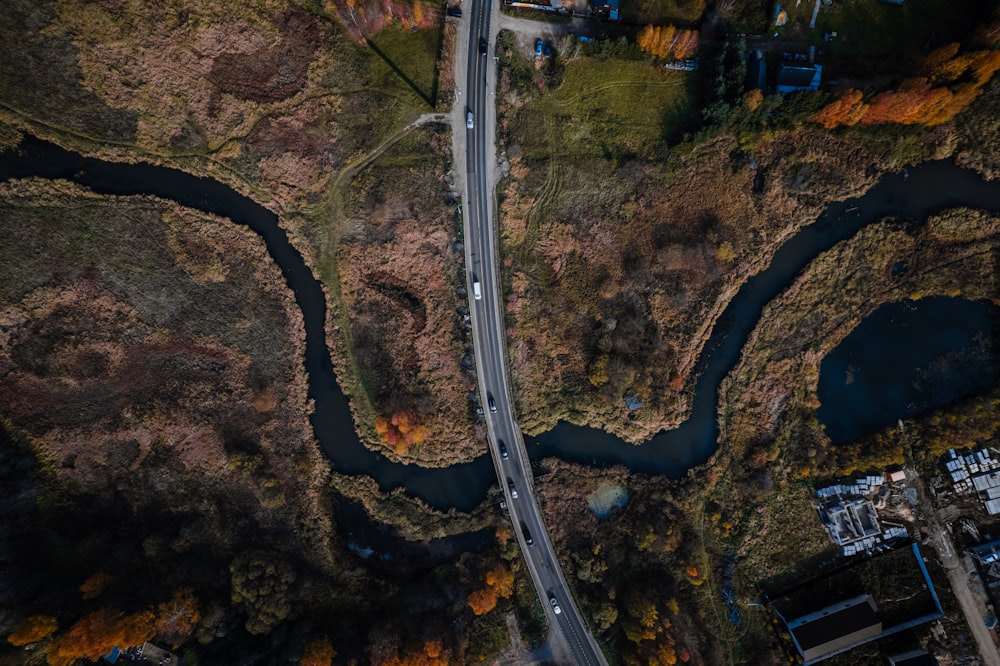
[[513, 467]]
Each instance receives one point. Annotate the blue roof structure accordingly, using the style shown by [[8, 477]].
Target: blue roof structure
[[795, 76]]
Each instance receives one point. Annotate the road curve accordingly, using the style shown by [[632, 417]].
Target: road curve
[[482, 257]]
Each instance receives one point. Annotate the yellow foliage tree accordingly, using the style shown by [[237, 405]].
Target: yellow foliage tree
[[94, 586], [482, 601], [33, 629], [177, 618], [319, 652], [91, 637], [134, 629], [753, 99], [666, 40]]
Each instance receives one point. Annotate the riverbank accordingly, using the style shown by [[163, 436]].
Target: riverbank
[[159, 86], [152, 376], [770, 396], [620, 263]]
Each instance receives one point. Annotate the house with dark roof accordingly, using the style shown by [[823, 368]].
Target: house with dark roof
[[609, 9], [835, 628], [794, 76], [878, 597]]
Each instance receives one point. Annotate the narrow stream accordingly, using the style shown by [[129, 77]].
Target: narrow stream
[[460, 486], [931, 187]]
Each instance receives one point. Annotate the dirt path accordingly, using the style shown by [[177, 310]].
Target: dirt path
[[972, 607]]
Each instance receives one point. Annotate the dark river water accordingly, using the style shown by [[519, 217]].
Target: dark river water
[[905, 358], [931, 187]]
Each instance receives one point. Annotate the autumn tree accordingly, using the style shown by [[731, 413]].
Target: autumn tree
[[402, 431], [665, 40], [482, 601], [502, 580], [318, 653], [178, 617], [498, 583], [94, 586], [91, 637], [952, 83], [845, 111], [134, 629], [432, 653], [686, 45], [33, 629], [752, 100]]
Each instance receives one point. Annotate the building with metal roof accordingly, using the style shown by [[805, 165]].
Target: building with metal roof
[[836, 628], [794, 76]]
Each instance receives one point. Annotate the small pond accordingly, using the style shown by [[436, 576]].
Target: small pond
[[905, 358]]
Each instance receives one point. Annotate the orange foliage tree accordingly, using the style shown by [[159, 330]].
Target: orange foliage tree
[[752, 100], [94, 586], [845, 111], [91, 637], [664, 40], [318, 653], [177, 618], [953, 81], [134, 629], [482, 601], [402, 431], [32, 629], [432, 654], [499, 583]]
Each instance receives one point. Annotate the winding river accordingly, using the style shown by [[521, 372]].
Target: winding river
[[930, 188]]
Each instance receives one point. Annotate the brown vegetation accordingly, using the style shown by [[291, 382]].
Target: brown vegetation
[[139, 379], [613, 292], [271, 99], [774, 384], [399, 276]]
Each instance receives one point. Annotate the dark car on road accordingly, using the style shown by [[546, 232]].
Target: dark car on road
[[492, 404], [548, 49], [483, 46], [503, 449], [455, 11], [513, 489], [527, 534]]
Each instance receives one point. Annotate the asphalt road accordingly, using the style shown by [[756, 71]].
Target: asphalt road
[[482, 258]]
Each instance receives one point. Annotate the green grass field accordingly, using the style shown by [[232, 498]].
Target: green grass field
[[879, 37], [607, 108], [413, 57], [874, 27]]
